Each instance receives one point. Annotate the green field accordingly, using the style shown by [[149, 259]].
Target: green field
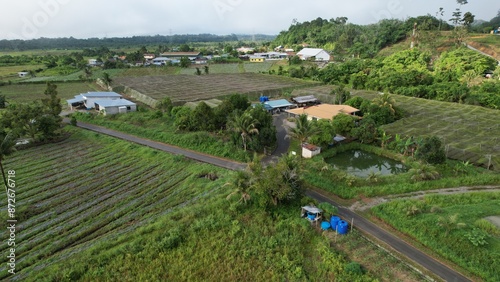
[[449, 225], [30, 92], [91, 188], [469, 133], [10, 72]]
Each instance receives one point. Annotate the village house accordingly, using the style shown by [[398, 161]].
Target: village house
[[315, 54], [323, 111]]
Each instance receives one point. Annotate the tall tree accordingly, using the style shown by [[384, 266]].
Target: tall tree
[[52, 103], [385, 100], [241, 183], [106, 78], [303, 129], [245, 124]]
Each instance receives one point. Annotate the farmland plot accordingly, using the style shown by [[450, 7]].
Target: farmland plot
[[28, 92], [186, 88], [91, 188], [469, 133]]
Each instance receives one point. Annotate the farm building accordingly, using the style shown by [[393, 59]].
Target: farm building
[[305, 100], [323, 111], [23, 73], [257, 59], [178, 55], [89, 99], [314, 53], [160, 61], [310, 150], [111, 107], [275, 106]]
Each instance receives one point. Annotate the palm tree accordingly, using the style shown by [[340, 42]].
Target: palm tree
[[424, 172], [242, 184], [6, 148], [303, 129], [88, 73], [245, 124], [106, 78], [385, 100]]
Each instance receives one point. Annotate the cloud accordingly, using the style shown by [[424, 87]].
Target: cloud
[[97, 18]]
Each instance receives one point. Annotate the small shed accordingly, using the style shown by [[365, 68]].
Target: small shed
[[23, 73], [313, 214], [305, 100], [310, 150]]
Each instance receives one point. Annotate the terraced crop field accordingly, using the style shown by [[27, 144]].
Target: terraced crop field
[[92, 188], [469, 133], [187, 88]]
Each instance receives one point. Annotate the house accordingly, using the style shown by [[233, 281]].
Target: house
[[94, 63], [88, 99], [256, 59], [111, 107], [201, 61], [23, 73], [315, 54], [149, 57], [245, 50], [310, 150], [323, 111], [276, 106], [160, 61]]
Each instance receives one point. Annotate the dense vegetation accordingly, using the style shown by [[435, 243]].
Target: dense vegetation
[[454, 226]]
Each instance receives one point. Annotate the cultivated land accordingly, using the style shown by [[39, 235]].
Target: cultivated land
[[452, 225], [29, 92], [92, 188], [469, 133], [187, 88]]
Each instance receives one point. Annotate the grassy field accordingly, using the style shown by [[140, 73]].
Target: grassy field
[[30, 92], [452, 226], [95, 208], [186, 88], [469, 133], [91, 188], [10, 72]]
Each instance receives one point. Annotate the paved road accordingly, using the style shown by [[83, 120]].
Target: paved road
[[396, 243], [360, 223], [220, 162], [282, 140]]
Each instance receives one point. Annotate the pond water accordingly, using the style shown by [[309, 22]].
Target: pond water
[[361, 163]]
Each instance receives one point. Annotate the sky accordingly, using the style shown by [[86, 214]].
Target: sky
[[28, 19]]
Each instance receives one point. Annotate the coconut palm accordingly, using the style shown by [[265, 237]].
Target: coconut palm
[[6, 148], [385, 100], [245, 124], [242, 184], [106, 78], [424, 172], [303, 129]]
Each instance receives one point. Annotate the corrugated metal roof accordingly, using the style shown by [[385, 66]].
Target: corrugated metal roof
[[305, 99], [101, 94], [310, 51], [278, 103], [75, 100], [114, 103]]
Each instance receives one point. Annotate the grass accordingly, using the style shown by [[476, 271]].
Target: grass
[[162, 129], [10, 72], [86, 190], [451, 240], [29, 92]]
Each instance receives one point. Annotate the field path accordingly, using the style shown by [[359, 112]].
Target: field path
[[220, 162], [369, 203], [361, 223]]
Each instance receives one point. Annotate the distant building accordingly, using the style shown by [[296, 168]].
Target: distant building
[[310, 150], [257, 59], [178, 55], [160, 61], [245, 50], [314, 53], [149, 57], [107, 103], [94, 63], [23, 74]]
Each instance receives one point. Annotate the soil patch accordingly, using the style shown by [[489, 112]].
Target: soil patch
[[495, 220]]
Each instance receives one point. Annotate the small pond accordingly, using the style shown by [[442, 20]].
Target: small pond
[[361, 163]]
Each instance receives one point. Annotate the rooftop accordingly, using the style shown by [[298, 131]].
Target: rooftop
[[114, 103], [310, 51], [100, 94], [305, 99], [278, 103], [324, 111]]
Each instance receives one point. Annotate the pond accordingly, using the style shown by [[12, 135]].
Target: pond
[[361, 163]]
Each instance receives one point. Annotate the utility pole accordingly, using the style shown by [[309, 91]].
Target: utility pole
[[414, 35]]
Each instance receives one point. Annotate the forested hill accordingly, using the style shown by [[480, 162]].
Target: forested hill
[[340, 37], [70, 42]]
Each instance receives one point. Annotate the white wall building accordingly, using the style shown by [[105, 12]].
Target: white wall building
[[111, 107], [316, 53]]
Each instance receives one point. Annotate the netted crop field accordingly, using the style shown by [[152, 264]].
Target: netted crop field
[[186, 88]]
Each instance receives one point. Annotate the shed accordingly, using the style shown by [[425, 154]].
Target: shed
[[276, 106], [306, 100], [309, 150], [313, 214], [314, 53], [111, 107], [88, 99]]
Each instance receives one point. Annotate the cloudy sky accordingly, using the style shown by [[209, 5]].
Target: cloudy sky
[[27, 19]]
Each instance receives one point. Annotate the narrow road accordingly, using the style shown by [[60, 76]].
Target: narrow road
[[361, 223], [220, 162], [481, 52], [441, 270]]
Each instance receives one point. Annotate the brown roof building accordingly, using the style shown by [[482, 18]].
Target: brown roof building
[[324, 111]]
